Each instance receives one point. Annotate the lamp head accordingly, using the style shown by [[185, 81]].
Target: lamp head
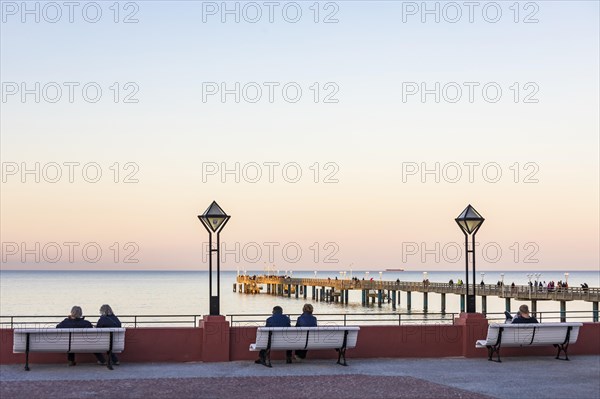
[[214, 218], [469, 220]]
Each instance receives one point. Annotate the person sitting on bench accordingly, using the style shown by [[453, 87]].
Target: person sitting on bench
[[277, 320], [76, 320], [524, 317], [305, 320], [108, 320]]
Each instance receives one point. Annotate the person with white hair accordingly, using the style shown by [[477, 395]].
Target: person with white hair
[[305, 320], [75, 320], [524, 316], [108, 320]]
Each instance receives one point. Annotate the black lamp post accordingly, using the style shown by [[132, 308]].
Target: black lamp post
[[469, 222], [214, 219]]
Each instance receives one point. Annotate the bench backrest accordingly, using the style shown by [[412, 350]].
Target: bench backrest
[[533, 334], [75, 340], [329, 337]]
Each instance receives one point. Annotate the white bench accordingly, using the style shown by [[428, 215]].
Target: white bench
[[305, 338], [69, 340], [560, 335]]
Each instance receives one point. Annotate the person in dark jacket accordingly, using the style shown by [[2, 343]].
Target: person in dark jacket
[[75, 320], [108, 320], [524, 316], [277, 320], [306, 319]]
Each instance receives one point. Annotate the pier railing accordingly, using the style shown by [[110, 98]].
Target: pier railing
[[522, 292]]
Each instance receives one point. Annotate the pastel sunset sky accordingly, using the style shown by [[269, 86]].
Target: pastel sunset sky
[[352, 140]]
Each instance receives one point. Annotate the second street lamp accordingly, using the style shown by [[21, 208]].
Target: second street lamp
[[469, 222], [214, 219]]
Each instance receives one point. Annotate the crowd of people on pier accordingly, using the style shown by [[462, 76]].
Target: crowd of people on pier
[[76, 320]]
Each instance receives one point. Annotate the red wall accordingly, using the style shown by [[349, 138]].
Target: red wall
[[185, 344], [141, 345]]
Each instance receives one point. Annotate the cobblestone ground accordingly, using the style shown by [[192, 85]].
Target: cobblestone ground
[[330, 387]]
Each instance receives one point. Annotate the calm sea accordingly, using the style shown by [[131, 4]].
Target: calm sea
[[186, 292]]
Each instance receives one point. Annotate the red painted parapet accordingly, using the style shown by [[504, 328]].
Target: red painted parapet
[[141, 345], [215, 341], [474, 327]]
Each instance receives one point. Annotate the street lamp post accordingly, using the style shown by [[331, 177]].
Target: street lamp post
[[482, 276], [502, 282], [315, 274], [567, 279], [213, 220], [469, 222], [380, 275]]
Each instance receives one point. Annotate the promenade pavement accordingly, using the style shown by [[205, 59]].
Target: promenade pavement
[[515, 377]]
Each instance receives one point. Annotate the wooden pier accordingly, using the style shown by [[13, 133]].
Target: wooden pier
[[373, 291]]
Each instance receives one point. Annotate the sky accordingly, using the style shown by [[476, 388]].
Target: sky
[[337, 135]]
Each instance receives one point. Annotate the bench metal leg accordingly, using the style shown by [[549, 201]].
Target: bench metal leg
[[494, 349], [268, 358], [268, 352], [109, 360], [342, 350], [109, 353], [27, 353], [562, 348], [341, 356]]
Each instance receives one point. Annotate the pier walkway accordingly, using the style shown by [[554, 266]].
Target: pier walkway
[[517, 377], [336, 290]]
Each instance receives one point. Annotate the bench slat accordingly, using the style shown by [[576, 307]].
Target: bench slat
[[292, 338], [523, 334], [83, 340]]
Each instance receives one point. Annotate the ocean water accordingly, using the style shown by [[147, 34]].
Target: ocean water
[[53, 293]]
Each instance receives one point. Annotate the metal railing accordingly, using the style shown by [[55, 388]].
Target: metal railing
[[551, 316], [258, 319], [128, 321], [344, 319]]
